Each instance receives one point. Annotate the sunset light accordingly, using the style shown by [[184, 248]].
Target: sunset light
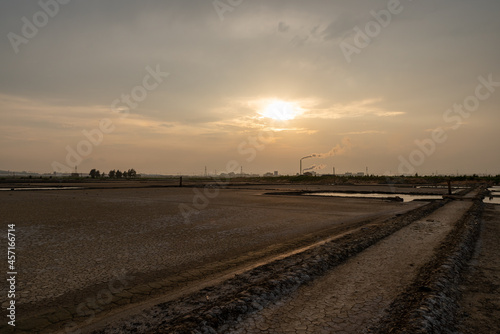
[[281, 110], [232, 166]]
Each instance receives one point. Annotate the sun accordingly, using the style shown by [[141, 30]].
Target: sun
[[281, 110]]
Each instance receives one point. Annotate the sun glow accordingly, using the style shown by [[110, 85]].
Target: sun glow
[[281, 110]]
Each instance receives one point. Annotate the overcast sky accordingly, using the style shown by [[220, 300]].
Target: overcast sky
[[260, 83]]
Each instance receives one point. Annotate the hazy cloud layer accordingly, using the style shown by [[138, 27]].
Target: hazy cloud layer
[[66, 77]]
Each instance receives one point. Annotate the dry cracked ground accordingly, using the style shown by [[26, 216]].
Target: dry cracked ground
[[480, 303], [353, 297], [96, 259]]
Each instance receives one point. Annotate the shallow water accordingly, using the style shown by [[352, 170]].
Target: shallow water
[[40, 188], [494, 200], [405, 197], [495, 192], [454, 189]]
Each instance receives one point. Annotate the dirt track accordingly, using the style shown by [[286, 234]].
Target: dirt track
[[480, 303], [266, 300], [353, 297], [215, 307]]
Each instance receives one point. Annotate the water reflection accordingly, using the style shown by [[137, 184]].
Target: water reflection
[[491, 200], [41, 188], [405, 197], [494, 197]]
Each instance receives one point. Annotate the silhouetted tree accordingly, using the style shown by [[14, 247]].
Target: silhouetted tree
[[115, 173], [132, 173], [94, 173]]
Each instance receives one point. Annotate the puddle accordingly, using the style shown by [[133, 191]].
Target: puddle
[[405, 197], [40, 188], [494, 200], [495, 193], [454, 189]]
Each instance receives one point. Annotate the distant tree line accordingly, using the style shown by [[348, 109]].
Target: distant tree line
[[113, 174]]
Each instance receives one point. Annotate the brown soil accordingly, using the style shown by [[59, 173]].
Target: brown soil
[[72, 244], [212, 307], [353, 296], [480, 304]]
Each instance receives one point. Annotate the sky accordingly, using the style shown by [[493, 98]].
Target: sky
[[398, 87]]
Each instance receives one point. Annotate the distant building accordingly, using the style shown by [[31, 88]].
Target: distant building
[[75, 173], [275, 173], [360, 174]]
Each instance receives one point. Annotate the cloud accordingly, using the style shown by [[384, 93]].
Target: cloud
[[283, 27], [366, 132], [353, 109], [340, 28], [66, 77]]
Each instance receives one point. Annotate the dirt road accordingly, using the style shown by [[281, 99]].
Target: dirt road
[[353, 296], [480, 304]]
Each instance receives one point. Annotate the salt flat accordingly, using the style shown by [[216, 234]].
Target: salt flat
[[72, 243]]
